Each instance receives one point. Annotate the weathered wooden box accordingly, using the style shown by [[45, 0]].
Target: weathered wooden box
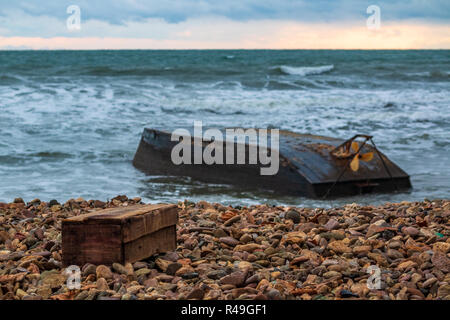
[[124, 234]]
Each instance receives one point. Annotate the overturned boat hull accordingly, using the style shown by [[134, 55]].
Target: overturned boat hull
[[306, 167]]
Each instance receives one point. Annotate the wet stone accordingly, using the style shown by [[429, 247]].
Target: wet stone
[[254, 252], [293, 215]]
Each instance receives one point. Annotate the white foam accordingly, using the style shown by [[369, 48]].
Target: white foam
[[305, 71]]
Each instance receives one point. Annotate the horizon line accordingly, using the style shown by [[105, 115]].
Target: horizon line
[[233, 49]]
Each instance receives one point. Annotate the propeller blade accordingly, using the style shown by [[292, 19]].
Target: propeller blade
[[355, 163], [367, 156], [355, 146]]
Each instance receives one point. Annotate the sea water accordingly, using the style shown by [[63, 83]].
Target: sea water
[[70, 121]]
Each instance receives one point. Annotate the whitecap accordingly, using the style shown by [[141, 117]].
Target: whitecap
[[304, 71]]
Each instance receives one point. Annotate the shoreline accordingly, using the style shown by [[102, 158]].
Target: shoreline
[[255, 252]]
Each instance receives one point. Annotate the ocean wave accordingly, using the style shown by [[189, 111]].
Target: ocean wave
[[303, 71], [7, 80], [158, 71], [435, 74], [188, 110], [439, 74], [108, 71]]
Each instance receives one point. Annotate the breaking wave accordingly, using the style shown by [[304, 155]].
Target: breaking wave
[[304, 71]]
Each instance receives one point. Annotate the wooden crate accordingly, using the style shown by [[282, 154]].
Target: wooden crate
[[123, 234]]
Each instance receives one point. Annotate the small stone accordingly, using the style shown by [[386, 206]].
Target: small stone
[[232, 220], [128, 296], [164, 278], [406, 265], [3, 236], [129, 269], [89, 269], [212, 295], [250, 247], [253, 279], [441, 261], [236, 278], [186, 269], [142, 272], [32, 297], [173, 268], [293, 215], [332, 235], [119, 268], [82, 295], [244, 265], [332, 274], [395, 244], [102, 284], [275, 275], [339, 247], [347, 294], [103, 271], [219, 233], [237, 292], [378, 258], [39, 233], [196, 293], [99, 204], [229, 241], [191, 275], [162, 264], [296, 237], [20, 293], [394, 254], [132, 290], [373, 229], [245, 238], [171, 256], [273, 294], [411, 231], [443, 247], [139, 265], [361, 249], [216, 274], [443, 291], [44, 291], [429, 282], [52, 279], [18, 200], [331, 224]]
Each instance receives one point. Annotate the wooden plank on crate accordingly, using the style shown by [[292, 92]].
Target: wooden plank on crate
[[124, 234], [97, 244], [113, 215], [137, 226], [156, 242]]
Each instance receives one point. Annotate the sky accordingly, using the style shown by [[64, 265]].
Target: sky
[[224, 24]]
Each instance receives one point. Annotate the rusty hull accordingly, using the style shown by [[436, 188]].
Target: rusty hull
[[306, 167]]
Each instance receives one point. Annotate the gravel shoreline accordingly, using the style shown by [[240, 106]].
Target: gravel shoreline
[[258, 252]]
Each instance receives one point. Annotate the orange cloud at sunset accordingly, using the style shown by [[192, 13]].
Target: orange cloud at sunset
[[262, 34]]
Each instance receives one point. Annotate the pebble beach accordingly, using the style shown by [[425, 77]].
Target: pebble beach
[[259, 252]]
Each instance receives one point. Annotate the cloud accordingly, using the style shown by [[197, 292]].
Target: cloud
[[258, 34], [174, 11], [223, 24]]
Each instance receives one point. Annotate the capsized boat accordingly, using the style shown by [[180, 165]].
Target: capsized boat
[[309, 165]]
